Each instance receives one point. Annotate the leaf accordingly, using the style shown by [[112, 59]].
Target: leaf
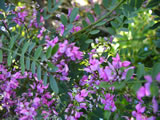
[[155, 26], [1, 16], [124, 29], [28, 63], [155, 70], [154, 89], [84, 23], [94, 32], [53, 84], [153, 3], [33, 67], [12, 41], [97, 9], [32, 45], [89, 41], [107, 114], [48, 53], [51, 65], [13, 24], [101, 23], [135, 87], [90, 17], [2, 5], [55, 49], [22, 64], [111, 30], [106, 3], [68, 29], [117, 85], [45, 76], [64, 19], [25, 47], [140, 71], [9, 59], [38, 17], [55, 6], [38, 52], [130, 72], [11, 16], [1, 56], [15, 53], [73, 14], [139, 3], [39, 72]]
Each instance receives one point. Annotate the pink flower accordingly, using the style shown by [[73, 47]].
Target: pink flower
[[138, 112], [117, 62], [126, 63], [79, 98], [158, 77], [155, 105], [84, 93]]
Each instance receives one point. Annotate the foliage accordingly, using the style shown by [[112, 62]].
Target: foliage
[[100, 61]]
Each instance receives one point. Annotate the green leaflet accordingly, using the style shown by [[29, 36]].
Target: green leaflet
[[9, 59], [53, 84], [22, 64], [140, 71], [45, 76], [38, 52], [25, 47], [97, 9], [73, 14], [1, 56], [64, 19], [94, 32], [55, 49], [90, 17], [48, 53], [32, 45], [33, 67], [39, 72], [28, 63], [129, 74]]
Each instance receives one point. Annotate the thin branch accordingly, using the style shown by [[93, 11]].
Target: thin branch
[[98, 21]]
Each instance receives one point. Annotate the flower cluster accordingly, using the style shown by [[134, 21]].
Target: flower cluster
[[66, 53], [142, 92], [30, 101]]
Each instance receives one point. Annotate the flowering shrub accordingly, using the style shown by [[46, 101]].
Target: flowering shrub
[[73, 69]]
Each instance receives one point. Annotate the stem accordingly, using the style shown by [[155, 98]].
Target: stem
[[101, 19]]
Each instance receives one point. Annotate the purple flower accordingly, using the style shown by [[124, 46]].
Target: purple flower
[[155, 105], [79, 98], [138, 113], [126, 63], [84, 93], [158, 77]]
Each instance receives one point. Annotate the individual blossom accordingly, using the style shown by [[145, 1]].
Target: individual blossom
[[145, 90], [155, 105], [108, 102], [138, 114]]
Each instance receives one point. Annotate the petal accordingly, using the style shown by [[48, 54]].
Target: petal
[[158, 77], [148, 78], [126, 63]]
